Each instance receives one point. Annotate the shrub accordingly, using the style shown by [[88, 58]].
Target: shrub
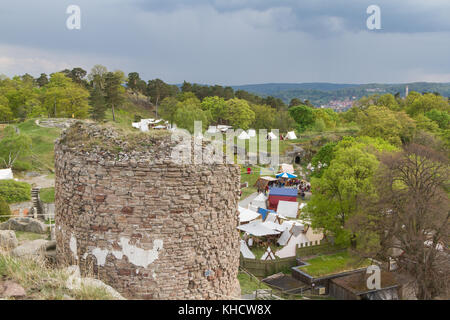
[[22, 166], [14, 191], [5, 212]]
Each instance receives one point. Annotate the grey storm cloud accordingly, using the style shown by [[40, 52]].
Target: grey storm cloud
[[232, 41]]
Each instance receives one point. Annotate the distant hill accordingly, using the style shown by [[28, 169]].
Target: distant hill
[[323, 93]]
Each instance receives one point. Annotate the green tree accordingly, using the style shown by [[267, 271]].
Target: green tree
[[336, 194], [304, 116], [265, 117], [13, 146], [168, 108], [97, 75], [217, 106], [394, 127], [114, 91], [186, 115], [5, 114], [442, 118], [295, 102], [158, 90], [64, 98], [420, 104], [42, 80], [239, 114], [98, 104]]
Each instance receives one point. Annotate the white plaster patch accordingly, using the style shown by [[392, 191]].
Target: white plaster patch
[[137, 256], [73, 246], [101, 255]]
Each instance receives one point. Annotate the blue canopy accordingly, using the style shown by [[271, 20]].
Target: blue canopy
[[263, 212], [286, 175], [285, 192]]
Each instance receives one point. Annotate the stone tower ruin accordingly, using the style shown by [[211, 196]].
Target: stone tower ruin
[[148, 227]]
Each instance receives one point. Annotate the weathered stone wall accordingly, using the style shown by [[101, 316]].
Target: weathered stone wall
[[144, 225]]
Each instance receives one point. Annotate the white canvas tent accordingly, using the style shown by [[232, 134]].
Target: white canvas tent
[[289, 249], [268, 255], [271, 136], [273, 226], [291, 135], [6, 174], [244, 136], [259, 201], [247, 215], [288, 209], [284, 238], [223, 128], [246, 252], [288, 168], [256, 228], [212, 129]]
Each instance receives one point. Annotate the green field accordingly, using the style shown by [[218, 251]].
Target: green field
[[42, 149], [47, 195], [333, 263], [250, 284]]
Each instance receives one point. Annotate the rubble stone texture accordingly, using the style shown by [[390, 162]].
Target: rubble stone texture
[[150, 228]]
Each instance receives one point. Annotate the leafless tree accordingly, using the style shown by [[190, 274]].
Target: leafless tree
[[408, 218]]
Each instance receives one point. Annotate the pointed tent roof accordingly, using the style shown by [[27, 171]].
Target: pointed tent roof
[[246, 215], [291, 135], [244, 136]]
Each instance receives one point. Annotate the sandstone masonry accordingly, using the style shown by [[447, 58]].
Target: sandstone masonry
[[151, 229]]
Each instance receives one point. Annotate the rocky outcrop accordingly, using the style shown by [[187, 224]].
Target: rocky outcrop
[[25, 224], [10, 289], [75, 281], [8, 240]]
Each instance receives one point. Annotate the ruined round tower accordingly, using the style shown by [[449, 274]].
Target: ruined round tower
[[151, 228]]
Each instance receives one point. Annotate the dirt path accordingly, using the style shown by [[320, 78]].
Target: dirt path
[[41, 181]]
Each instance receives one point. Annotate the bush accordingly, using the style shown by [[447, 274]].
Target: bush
[[14, 191], [22, 166], [137, 118], [5, 212]]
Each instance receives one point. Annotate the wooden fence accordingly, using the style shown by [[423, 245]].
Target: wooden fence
[[264, 268]]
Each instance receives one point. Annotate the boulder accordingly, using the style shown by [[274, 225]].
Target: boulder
[[9, 289], [8, 239], [24, 224], [35, 248], [75, 281]]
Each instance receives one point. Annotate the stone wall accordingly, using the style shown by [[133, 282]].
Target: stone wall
[[148, 227]]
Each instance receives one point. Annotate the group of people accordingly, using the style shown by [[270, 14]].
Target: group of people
[[301, 185]]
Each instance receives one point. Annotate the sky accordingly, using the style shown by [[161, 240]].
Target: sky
[[232, 42]]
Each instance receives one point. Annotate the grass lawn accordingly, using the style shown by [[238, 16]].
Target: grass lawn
[[42, 144], [333, 263], [249, 284], [29, 236], [251, 179], [47, 195]]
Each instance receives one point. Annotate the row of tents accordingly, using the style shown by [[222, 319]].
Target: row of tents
[[289, 234], [145, 124], [250, 133]]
